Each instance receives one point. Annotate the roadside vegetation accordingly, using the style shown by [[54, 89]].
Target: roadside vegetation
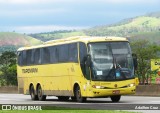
[[8, 69], [145, 51]]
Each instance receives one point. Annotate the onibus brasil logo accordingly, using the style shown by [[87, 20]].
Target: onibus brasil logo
[[21, 107]]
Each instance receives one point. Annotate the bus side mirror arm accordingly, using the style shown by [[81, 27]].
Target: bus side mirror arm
[[88, 60], [135, 62]]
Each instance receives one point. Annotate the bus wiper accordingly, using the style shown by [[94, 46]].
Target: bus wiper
[[114, 63]]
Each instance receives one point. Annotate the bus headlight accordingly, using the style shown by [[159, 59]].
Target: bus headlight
[[98, 87], [131, 85]]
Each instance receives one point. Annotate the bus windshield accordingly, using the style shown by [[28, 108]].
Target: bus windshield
[[111, 61]]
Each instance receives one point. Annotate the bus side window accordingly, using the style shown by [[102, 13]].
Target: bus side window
[[29, 56], [46, 55], [83, 52], [73, 52], [32, 57], [37, 57], [20, 60], [53, 54], [24, 58], [63, 53], [83, 55]]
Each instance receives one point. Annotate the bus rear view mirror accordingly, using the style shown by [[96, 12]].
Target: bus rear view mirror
[[135, 62], [88, 60]]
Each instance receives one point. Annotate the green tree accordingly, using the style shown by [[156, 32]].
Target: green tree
[[8, 68], [144, 51]]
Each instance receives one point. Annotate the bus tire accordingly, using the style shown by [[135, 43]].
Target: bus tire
[[116, 98], [63, 98], [32, 93], [79, 96], [73, 98], [41, 97]]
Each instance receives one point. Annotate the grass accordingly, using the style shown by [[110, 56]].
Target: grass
[[68, 111], [53, 109], [139, 22], [33, 41]]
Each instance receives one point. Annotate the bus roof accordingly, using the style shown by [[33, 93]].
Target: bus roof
[[85, 39]]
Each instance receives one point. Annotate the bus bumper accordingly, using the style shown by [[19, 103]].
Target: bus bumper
[[111, 92]]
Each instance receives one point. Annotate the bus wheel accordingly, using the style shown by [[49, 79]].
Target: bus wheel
[[116, 98], [41, 97], [79, 96], [32, 93], [63, 98], [73, 98]]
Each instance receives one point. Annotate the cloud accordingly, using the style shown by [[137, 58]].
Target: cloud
[[129, 1], [79, 1], [34, 1], [22, 1], [31, 12], [38, 14]]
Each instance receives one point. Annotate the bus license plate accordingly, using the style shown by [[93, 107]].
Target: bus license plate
[[116, 92]]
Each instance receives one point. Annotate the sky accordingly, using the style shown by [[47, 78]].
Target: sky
[[35, 16]]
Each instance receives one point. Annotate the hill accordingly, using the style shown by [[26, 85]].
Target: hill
[[15, 39], [10, 41], [141, 27], [154, 14], [127, 28], [57, 35]]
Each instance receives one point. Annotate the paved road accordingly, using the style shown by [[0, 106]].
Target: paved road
[[126, 102]]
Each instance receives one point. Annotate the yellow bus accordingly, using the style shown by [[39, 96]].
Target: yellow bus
[[77, 68]]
